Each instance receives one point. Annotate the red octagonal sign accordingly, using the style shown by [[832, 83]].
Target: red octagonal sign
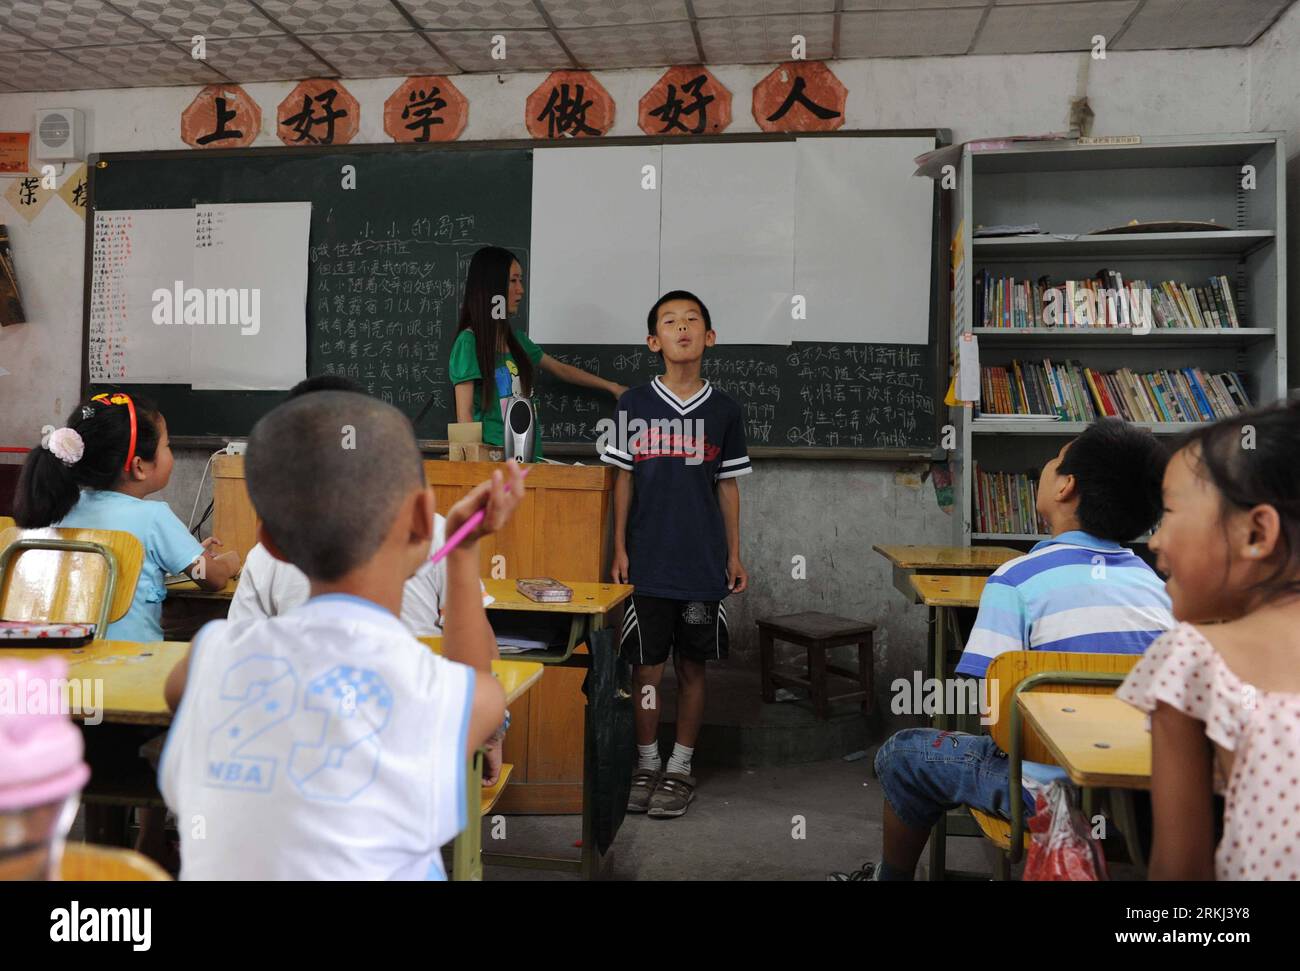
[[221, 116], [319, 111], [687, 100], [800, 96], [569, 104], [426, 109]]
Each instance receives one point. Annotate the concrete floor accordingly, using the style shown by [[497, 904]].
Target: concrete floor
[[738, 828]]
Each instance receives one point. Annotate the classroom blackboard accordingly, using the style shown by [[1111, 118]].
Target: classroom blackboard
[[385, 278]]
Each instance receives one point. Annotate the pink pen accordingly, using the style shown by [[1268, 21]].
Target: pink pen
[[469, 526]]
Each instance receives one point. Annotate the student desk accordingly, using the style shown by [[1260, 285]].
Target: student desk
[[586, 612], [188, 607], [189, 589], [1102, 743], [942, 560], [516, 677], [134, 674], [944, 596]]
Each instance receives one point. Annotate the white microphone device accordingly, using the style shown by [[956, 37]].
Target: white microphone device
[[520, 429]]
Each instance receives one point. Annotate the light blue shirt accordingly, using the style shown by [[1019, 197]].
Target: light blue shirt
[[1073, 592], [168, 548]]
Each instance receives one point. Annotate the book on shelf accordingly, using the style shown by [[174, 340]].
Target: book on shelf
[[1006, 502], [1105, 300], [1073, 392]]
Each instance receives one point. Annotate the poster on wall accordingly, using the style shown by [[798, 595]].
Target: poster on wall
[[13, 152], [11, 305]]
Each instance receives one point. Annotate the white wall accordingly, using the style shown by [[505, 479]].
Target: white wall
[[1152, 93], [853, 503], [1275, 106]]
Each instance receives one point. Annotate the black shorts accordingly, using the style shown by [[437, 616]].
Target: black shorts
[[654, 627]]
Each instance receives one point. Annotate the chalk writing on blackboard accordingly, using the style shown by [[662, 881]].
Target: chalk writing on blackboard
[[800, 396]]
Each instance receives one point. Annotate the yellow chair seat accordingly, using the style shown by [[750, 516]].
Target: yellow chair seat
[[84, 861], [995, 828], [493, 793]]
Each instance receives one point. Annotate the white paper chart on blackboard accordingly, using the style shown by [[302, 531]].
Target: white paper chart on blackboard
[[250, 261], [136, 252]]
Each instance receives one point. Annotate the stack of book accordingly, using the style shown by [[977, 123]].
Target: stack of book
[[1106, 300], [1076, 393], [1005, 503]]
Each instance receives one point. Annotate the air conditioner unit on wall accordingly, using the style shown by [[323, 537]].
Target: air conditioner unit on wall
[[60, 135]]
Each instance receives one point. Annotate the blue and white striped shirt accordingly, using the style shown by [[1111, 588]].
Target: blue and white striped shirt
[[1073, 592]]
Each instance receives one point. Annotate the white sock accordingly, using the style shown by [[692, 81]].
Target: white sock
[[647, 757], [680, 760]]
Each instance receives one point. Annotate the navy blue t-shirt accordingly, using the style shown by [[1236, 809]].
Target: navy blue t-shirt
[[677, 451]]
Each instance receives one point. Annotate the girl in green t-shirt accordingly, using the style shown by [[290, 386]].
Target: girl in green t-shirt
[[487, 344]]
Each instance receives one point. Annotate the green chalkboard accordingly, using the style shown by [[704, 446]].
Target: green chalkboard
[[386, 275], [387, 259]]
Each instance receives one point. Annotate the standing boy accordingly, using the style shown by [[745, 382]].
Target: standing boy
[[676, 538]]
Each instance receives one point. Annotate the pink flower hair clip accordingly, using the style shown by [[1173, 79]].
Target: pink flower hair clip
[[66, 445]]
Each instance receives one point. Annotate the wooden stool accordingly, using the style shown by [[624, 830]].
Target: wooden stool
[[817, 633]]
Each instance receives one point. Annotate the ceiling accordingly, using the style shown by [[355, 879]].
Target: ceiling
[[53, 45]]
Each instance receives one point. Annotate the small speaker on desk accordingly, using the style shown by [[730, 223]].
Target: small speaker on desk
[[520, 430]]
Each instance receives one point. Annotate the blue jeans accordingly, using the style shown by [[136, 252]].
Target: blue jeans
[[925, 772]]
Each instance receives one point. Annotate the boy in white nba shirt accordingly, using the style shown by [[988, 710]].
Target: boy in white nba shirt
[[327, 743]]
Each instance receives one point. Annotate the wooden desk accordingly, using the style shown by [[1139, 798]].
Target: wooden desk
[[191, 589], [515, 676], [188, 607], [949, 560], [1102, 742], [945, 595], [587, 612], [132, 673], [947, 591]]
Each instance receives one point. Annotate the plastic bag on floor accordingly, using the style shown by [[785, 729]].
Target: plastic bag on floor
[[1061, 844]]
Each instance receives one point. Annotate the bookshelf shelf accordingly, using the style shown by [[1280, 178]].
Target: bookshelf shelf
[[1123, 246], [1068, 429], [1125, 337], [1071, 190]]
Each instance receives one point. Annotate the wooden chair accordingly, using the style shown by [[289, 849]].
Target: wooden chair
[[85, 861], [7, 522], [1052, 671], [55, 575], [68, 576], [817, 633]]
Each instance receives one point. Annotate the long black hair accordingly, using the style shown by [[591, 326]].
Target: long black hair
[[48, 489], [1253, 459], [488, 278]]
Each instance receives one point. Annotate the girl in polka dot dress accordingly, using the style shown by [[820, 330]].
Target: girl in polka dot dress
[[1222, 689]]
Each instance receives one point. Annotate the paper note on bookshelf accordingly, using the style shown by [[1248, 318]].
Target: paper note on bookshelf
[[136, 253], [968, 368]]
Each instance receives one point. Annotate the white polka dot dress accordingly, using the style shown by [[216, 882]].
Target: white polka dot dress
[[1261, 825]]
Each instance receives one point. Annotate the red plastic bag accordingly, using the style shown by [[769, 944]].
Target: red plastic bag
[[1061, 846]]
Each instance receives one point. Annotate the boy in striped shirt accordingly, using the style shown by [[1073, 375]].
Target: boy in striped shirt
[[1078, 591]]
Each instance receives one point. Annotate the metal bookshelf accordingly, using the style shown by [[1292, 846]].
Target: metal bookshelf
[[1070, 190]]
